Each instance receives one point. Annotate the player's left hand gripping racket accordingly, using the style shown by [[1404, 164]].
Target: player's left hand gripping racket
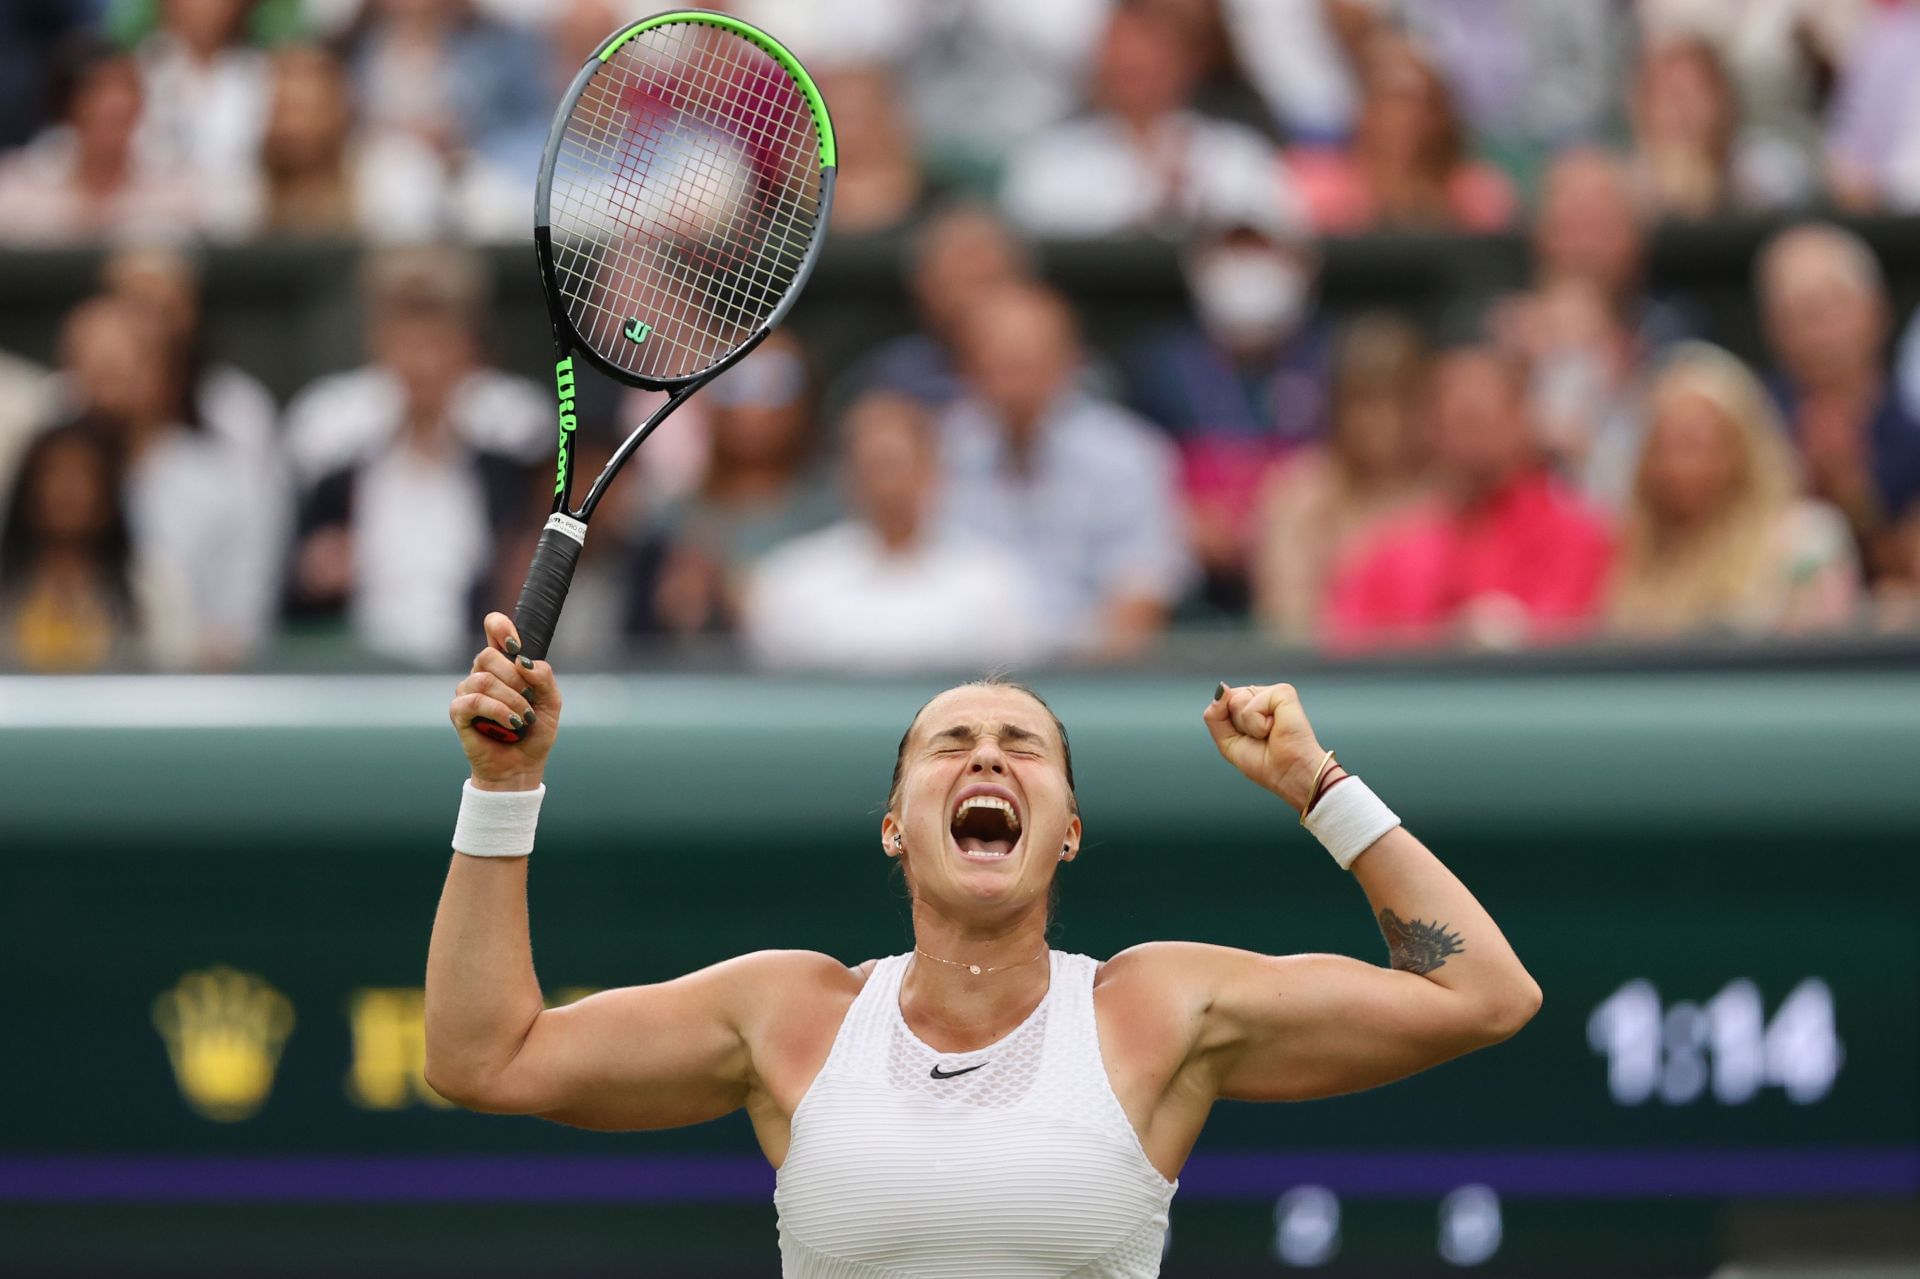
[[682, 202]]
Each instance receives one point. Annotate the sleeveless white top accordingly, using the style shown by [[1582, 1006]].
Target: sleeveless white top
[[1013, 1162]]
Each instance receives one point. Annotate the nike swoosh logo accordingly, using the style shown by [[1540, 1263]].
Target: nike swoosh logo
[[949, 1074]]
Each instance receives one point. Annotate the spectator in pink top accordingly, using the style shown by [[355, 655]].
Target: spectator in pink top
[[1408, 167], [1504, 555]]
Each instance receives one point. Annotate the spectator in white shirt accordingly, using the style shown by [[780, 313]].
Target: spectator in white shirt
[[204, 524], [473, 92], [1077, 487], [225, 399], [885, 590], [225, 403], [417, 469], [206, 98], [346, 417], [986, 72], [1144, 160]]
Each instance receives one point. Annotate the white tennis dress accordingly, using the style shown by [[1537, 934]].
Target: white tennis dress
[[1011, 1162]]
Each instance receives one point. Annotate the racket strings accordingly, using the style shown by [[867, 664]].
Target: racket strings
[[625, 275], [684, 198], [707, 299]]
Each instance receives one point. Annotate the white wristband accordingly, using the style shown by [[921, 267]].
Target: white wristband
[[1348, 819], [497, 823]]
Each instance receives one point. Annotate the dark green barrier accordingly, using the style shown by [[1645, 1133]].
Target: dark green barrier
[[1712, 875]]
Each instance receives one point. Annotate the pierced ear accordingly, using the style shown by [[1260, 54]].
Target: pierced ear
[[1070, 847]]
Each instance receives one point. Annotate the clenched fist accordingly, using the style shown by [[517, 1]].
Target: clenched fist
[[1262, 731], [507, 689]]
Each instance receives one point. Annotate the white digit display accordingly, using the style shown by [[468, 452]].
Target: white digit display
[[1470, 1229], [1306, 1226], [1625, 1029], [1735, 1024], [1683, 1069], [1803, 1054], [1726, 1048]]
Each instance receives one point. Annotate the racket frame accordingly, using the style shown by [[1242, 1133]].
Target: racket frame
[[567, 340], [565, 534]]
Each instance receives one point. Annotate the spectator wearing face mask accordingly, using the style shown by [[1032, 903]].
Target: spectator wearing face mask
[[1237, 388]]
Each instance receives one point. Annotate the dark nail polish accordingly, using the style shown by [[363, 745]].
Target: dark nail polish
[[513, 647], [529, 717], [527, 662], [516, 722], [1219, 690]]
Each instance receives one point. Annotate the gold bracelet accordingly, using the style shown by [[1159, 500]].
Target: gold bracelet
[[1313, 791]]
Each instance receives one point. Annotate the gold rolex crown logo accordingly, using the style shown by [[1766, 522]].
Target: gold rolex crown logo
[[224, 1030]]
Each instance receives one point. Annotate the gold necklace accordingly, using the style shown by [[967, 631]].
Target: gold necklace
[[975, 969]]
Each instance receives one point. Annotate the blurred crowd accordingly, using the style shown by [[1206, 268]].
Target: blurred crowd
[[1575, 460]]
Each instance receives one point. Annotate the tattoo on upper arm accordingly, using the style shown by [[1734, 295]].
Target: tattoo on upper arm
[[1417, 946]]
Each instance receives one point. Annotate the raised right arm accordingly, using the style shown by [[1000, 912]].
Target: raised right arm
[[652, 1056]]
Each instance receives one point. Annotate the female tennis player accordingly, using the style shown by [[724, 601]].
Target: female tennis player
[[981, 1106]]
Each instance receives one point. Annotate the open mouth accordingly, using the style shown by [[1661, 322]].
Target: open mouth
[[985, 827]]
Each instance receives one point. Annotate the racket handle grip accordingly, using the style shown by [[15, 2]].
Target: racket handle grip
[[548, 578], [541, 598]]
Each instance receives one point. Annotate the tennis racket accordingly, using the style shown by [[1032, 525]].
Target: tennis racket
[[681, 205]]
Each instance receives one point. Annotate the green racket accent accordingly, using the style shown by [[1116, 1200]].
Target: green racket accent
[[637, 330], [569, 420], [747, 31]]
